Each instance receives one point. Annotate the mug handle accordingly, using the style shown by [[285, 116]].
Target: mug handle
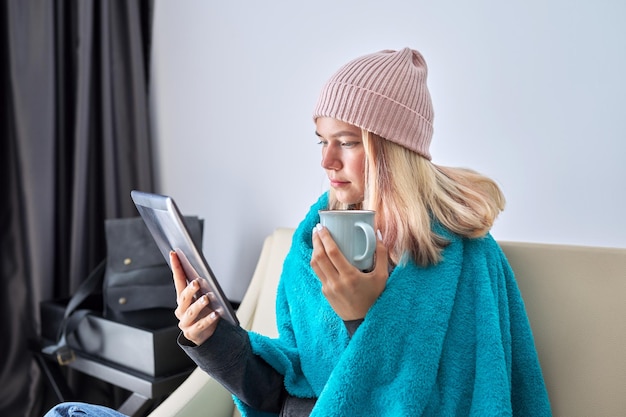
[[370, 241]]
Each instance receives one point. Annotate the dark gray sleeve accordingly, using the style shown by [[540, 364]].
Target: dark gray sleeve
[[227, 356]]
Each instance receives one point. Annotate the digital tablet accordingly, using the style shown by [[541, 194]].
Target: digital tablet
[[167, 226]]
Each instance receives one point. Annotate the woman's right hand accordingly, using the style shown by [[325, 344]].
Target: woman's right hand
[[350, 292], [196, 319]]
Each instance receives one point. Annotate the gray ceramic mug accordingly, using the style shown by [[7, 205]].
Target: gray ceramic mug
[[353, 231]]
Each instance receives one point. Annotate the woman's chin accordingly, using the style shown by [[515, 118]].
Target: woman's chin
[[348, 199]]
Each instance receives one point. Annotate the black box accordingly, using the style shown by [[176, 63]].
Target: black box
[[153, 352]]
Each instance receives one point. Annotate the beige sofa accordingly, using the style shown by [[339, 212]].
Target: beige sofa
[[576, 302]]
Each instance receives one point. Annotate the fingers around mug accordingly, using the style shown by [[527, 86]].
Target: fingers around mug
[[318, 253], [335, 255], [329, 258], [381, 258]]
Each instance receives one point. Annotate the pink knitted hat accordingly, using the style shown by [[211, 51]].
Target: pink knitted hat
[[384, 93]]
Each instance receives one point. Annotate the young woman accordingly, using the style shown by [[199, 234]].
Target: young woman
[[437, 328]]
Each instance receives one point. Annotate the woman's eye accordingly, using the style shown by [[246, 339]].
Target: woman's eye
[[346, 145], [349, 144]]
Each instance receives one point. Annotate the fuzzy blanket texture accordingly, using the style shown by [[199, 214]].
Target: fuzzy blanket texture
[[451, 339]]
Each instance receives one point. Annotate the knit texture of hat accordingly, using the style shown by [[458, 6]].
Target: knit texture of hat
[[384, 93]]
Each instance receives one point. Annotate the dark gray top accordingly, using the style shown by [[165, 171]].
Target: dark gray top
[[227, 356]]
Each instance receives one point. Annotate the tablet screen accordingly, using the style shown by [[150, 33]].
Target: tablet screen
[[167, 226]]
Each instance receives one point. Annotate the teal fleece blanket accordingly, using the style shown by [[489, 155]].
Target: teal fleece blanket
[[451, 339]]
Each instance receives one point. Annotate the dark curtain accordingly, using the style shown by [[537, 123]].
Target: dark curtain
[[75, 141]]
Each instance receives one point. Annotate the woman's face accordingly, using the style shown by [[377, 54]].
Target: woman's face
[[343, 158]]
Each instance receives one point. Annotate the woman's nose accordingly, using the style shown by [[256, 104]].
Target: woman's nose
[[330, 159]]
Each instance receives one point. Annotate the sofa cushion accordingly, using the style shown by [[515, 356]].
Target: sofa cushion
[[576, 302]]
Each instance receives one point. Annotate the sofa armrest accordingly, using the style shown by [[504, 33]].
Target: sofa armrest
[[199, 395]]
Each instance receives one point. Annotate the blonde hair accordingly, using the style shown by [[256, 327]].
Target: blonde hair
[[408, 193]]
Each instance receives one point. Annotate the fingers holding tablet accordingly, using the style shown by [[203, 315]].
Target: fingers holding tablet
[[197, 319]]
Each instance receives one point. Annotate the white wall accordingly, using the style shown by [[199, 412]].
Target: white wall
[[531, 94]]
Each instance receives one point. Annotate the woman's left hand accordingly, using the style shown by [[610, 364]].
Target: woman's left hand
[[349, 291]]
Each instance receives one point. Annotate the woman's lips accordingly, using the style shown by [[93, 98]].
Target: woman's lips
[[337, 183]]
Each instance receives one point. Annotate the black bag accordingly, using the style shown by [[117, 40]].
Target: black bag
[[134, 279], [138, 287]]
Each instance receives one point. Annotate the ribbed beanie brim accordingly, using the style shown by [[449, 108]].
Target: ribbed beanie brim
[[384, 93]]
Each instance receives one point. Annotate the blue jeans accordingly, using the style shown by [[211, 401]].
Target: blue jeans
[[74, 409]]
